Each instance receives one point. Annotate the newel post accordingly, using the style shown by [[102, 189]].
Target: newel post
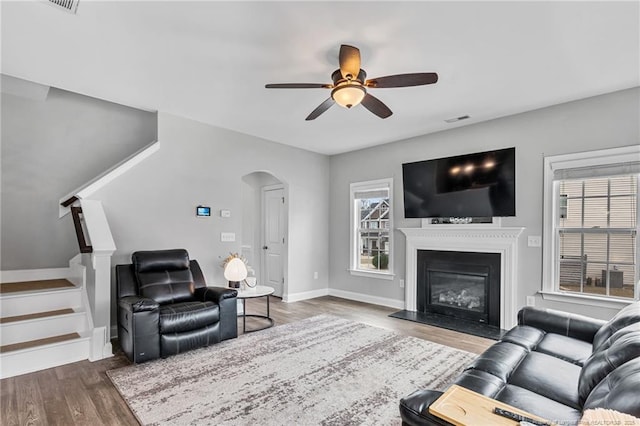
[[100, 294]]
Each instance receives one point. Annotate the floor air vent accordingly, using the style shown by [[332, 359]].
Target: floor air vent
[[68, 5]]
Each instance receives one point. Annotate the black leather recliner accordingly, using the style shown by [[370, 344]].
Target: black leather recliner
[[165, 306], [552, 364]]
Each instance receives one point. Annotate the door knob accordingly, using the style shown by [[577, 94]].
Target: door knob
[[265, 247]]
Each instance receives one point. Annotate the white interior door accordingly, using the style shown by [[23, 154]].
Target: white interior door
[[273, 242]]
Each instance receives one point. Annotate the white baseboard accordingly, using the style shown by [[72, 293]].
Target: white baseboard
[[296, 297], [19, 275], [366, 298], [358, 297]]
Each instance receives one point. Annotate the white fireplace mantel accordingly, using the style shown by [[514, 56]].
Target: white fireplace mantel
[[475, 238]]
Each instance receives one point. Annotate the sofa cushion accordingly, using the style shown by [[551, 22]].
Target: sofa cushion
[[619, 391], [539, 405], [481, 382], [186, 316], [625, 317], [499, 360], [526, 336], [622, 346], [567, 348], [550, 377]]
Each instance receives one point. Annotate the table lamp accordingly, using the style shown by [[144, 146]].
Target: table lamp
[[235, 271]]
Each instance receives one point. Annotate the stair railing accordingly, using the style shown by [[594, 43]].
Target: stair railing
[[76, 213]]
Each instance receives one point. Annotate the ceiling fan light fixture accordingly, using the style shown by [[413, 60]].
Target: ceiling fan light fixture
[[348, 95]]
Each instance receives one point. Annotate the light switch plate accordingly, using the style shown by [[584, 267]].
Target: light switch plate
[[534, 241], [227, 237], [225, 213]]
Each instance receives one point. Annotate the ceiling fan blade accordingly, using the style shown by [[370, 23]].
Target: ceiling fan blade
[[376, 106], [403, 80], [321, 108], [349, 61], [298, 86]]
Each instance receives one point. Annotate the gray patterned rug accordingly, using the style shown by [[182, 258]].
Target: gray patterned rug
[[323, 370]]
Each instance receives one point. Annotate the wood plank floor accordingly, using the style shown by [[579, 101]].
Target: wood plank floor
[[82, 394]]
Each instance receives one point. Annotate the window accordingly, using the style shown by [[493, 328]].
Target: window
[[591, 224], [372, 228]]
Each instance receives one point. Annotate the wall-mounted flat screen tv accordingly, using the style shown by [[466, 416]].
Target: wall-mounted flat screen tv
[[472, 185]]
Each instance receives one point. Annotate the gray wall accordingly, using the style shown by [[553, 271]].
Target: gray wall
[[596, 123], [49, 148], [152, 206]]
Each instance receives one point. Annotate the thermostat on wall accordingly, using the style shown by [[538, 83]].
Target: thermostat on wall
[[203, 211]]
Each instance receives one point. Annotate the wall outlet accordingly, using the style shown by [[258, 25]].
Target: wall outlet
[[227, 237], [534, 241], [401, 283], [315, 275], [531, 301]]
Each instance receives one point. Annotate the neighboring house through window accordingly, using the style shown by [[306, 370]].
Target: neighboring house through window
[[591, 227], [371, 230]]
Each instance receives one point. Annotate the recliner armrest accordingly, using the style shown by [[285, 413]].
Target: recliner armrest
[[137, 304], [215, 294], [226, 299], [564, 323]]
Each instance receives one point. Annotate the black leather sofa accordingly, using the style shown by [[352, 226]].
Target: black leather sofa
[[165, 306], [555, 365]]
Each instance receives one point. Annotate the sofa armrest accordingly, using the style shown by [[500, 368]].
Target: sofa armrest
[[414, 408], [226, 298], [215, 294], [564, 323], [137, 304]]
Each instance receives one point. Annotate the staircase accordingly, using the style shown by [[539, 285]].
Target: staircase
[[44, 323]]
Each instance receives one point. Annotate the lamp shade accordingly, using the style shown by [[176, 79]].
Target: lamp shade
[[235, 270], [348, 95]]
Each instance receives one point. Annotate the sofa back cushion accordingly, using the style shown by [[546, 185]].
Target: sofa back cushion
[[622, 346], [164, 275], [627, 316], [619, 391]]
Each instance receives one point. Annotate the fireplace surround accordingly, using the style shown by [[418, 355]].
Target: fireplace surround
[[478, 238]]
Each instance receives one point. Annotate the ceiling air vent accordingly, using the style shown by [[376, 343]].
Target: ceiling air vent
[[69, 5]]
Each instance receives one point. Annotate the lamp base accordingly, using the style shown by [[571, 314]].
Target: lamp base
[[234, 284]]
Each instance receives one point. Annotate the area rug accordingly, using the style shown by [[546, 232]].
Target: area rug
[[322, 370]]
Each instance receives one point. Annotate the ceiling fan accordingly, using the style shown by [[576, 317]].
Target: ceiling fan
[[350, 86]]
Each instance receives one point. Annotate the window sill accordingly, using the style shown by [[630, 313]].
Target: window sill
[[379, 275], [583, 299]]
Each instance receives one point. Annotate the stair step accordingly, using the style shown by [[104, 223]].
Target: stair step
[[38, 342], [6, 288], [36, 315]]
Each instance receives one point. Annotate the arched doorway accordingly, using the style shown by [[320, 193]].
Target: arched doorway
[[264, 228]]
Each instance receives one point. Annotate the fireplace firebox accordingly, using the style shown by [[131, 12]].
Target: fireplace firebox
[[458, 284]]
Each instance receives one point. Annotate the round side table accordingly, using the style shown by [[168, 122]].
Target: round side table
[[253, 293]]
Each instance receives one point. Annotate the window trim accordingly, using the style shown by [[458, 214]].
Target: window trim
[[550, 247], [354, 226]]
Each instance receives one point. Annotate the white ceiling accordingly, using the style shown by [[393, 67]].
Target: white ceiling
[[209, 61]]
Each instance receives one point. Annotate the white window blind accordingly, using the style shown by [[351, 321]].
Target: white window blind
[[597, 221]]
